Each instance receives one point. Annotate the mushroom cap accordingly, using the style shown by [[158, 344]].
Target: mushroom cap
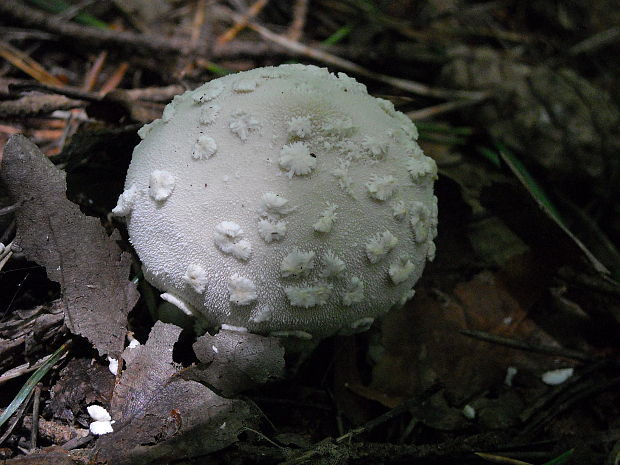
[[284, 200]]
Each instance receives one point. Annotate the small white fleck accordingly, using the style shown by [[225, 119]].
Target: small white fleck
[[333, 267], [419, 221], [507, 321], [209, 113], [223, 426], [469, 412], [355, 292], [271, 230], [113, 365], [510, 374], [242, 290], [297, 263], [133, 344], [362, 324], [400, 270], [180, 304], [430, 252], [327, 219], [215, 349], [309, 296], [299, 126], [273, 204], [376, 147], [382, 187], [245, 85], [339, 127], [208, 92], [242, 124], [205, 147], [99, 428], [237, 329], [261, 313], [380, 245], [407, 295], [399, 209], [555, 377], [161, 185], [229, 239], [98, 413], [196, 277], [297, 159], [126, 201], [342, 174], [419, 168], [292, 333]]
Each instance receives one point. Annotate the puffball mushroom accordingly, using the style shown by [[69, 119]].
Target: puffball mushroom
[[282, 200]]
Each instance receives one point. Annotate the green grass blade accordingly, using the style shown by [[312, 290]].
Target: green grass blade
[[32, 382], [338, 35], [58, 6], [561, 459]]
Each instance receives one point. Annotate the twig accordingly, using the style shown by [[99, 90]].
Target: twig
[[516, 344], [143, 43], [442, 108], [27, 64], [300, 12], [32, 105], [325, 57], [241, 22], [90, 80], [34, 432], [372, 424]]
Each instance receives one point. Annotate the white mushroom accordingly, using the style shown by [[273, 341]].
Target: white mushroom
[[284, 200]]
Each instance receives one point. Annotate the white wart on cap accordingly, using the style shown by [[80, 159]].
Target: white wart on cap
[[285, 200]]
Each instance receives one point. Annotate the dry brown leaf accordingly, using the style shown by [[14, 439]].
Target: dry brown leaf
[[233, 362], [74, 248], [160, 416], [423, 344]]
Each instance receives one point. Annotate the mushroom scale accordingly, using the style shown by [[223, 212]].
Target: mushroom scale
[[284, 200]]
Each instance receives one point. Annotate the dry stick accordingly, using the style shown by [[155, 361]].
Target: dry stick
[[372, 424], [91, 35], [300, 12], [442, 108], [325, 57], [241, 23], [516, 344], [36, 403]]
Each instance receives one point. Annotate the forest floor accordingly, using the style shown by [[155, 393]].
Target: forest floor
[[509, 351]]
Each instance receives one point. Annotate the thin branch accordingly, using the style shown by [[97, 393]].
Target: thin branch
[[522, 345], [443, 108], [300, 12], [325, 57]]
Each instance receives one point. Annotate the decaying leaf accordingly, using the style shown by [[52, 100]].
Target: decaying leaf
[[75, 249], [427, 332], [233, 362], [160, 416]]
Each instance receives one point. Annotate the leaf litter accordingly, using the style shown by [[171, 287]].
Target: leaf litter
[[75, 249]]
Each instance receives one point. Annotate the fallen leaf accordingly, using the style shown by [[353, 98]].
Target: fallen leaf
[[75, 250], [159, 416], [233, 362], [423, 344]]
